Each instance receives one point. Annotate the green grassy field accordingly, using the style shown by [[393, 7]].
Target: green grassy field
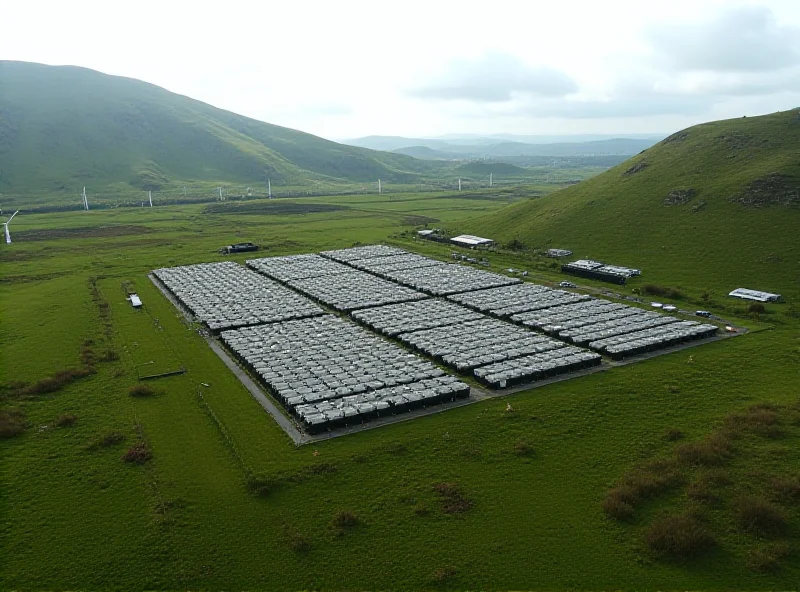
[[522, 504]]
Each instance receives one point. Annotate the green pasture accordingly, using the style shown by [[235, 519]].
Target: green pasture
[[227, 501]]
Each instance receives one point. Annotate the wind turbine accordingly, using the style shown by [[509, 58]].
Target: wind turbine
[[5, 227]]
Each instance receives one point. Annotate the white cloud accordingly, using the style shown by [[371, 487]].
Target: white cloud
[[495, 77], [740, 39]]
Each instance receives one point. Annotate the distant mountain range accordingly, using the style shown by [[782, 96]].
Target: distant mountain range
[[507, 145]]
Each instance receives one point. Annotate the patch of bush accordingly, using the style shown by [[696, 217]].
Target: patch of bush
[[678, 536], [141, 390], [56, 382], [87, 356], [523, 449], [762, 420], [260, 485], [639, 484], [515, 245], [785, 488], [139, 453], [712, 450], [109, 355], [344, 520], [756, 308], [295, 540], [12, 422], [766, 559], [701, 491], [758, 516], [453, 500], [619, 503], [65, 420], [663, 291]]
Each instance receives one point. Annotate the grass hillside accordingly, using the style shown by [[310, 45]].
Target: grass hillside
[[63, 127], [715, 204]]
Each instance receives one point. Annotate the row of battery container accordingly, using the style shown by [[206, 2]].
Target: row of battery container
[[321, 362], [225, 295]]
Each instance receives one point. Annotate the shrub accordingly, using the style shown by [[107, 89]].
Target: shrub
[[767, 559], [109, 355], [678, 536], [343, 521], [663, 291], [141, 390], [638, 484], [758, 516], [523, 449], [786, 488], [453, 501], [713, 450], [56, 382], [139, 453], [619, 503], [653, 478], [756, 308], [515, 245], [700, 491], [296, 541], [762, 420], [260, 485], [12, 422], [65, 420]]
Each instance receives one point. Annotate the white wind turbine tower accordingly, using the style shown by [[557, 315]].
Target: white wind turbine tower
[[5, 227], [85, 200], [150, 197]]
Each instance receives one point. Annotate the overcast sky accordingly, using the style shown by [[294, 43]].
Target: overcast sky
[[343, 69]]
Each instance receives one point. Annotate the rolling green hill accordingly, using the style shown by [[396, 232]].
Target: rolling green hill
[[63, 127], [715, 204]]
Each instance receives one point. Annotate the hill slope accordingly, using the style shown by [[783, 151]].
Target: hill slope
[[718, 203], [62, 127]]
